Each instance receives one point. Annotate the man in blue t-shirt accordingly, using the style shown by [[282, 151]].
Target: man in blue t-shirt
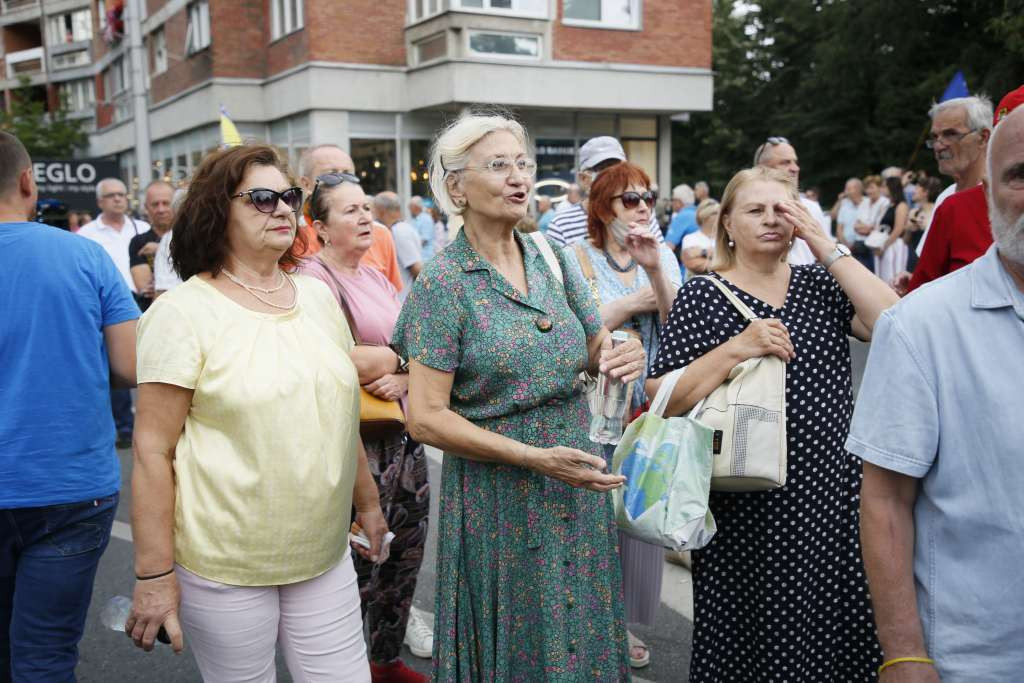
[[68, 333]]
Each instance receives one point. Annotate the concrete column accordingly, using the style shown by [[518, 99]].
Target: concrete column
[[328, 127], [139, 61], [665, 155]]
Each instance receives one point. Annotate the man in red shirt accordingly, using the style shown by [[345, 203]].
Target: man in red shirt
[[960, 231]]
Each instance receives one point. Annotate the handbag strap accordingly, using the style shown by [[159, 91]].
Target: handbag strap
[[668, 385], [587, 267], [548, 253], [733, 299], [341, 300]]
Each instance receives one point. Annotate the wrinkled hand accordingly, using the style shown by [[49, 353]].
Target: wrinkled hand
[[625, 362], [643, 247], [763, 338], [149, 249], [155, 604], [805, 227], [389, 387], [574, 467], [642, 301], [374, 526], [910, 672]]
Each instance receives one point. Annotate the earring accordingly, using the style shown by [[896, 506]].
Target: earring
[[327, 243], [731, 244], [791, 243]]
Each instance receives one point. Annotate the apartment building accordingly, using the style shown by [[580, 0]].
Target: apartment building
[[50, 44], [379, 77]]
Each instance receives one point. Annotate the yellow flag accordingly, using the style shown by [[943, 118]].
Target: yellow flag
[[229, 136]]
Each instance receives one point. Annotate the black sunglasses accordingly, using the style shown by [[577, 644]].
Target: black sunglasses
[[631, 200], [265, 201], [329, 180]]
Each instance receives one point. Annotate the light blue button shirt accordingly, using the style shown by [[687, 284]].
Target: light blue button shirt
[[943, 400], [425, 228]]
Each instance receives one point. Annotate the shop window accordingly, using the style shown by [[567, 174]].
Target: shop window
[[376, 164], [419, 160], [621, 14]]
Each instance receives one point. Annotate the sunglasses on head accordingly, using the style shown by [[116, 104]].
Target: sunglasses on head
[[772, 140], [329, 180], [631, 200], [265, 201]]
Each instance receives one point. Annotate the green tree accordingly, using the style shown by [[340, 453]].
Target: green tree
[[849, 82], [44, 134]]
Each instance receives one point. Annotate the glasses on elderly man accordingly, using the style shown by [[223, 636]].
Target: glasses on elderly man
[[503, 167], [265, 201], [946, 137], [772, 140]]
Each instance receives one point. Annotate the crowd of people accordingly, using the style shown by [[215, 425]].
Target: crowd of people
[[296, 343]]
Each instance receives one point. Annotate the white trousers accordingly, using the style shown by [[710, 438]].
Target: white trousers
[[232, 630]]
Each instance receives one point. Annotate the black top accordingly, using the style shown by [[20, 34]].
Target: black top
[[137, 243]]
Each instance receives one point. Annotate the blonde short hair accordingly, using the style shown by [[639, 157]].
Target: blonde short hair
[[708, 208], [725, 255], [451, 147]]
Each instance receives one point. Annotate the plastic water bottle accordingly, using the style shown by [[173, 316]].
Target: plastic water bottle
[[606, 424], [116, 612]]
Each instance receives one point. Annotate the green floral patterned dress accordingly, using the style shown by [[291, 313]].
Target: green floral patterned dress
[[528, 579]]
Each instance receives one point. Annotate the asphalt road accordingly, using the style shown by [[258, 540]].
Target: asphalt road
[[107, 656]]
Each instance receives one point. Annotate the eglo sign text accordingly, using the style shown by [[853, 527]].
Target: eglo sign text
[[59, 172]]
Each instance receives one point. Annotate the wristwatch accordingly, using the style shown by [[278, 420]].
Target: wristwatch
[[840, 251], [403, 362]]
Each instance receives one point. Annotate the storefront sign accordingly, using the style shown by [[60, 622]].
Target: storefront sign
[[73, 181]]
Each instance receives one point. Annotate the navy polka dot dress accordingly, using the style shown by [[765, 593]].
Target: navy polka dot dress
[[780, 594]]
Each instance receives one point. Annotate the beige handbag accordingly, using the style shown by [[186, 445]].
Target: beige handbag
[[748, 415]]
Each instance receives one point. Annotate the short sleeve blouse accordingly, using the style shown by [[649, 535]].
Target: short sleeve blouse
[[266, 462]]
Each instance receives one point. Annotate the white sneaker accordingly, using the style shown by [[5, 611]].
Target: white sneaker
[[418, 635]]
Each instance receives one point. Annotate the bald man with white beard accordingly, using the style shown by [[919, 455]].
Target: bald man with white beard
[[938, 426]]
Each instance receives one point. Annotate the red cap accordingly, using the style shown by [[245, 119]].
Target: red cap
[[1010, 101]]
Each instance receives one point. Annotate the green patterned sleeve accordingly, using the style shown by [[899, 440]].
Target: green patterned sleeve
[[429, 329]]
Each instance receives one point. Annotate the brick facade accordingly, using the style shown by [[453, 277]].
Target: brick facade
[[357, 31], [675, 33], [183, 70]]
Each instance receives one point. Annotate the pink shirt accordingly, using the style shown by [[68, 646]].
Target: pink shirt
[[371, 298]]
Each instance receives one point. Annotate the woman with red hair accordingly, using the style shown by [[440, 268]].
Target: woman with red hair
[[633, 280]]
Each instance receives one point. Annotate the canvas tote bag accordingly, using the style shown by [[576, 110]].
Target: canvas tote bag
[[747, 414]]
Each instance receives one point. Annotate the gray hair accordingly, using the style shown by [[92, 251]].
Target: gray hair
[[386, 201], [100, 184], [684, 193], [699, 184], [451, 147], [977, 108], [306, 159], [415, 200], [178, 198]]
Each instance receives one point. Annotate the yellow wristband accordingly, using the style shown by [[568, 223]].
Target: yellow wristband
[[901, 660]]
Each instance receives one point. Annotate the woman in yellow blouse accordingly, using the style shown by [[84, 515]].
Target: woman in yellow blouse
[[247, 453]]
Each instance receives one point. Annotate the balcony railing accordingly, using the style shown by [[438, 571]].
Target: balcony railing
[[26, 63], [15, 5]]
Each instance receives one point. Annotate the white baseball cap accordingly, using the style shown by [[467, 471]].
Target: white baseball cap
[[596, 150]]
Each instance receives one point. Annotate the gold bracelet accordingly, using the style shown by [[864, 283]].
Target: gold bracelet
[[901, 660]]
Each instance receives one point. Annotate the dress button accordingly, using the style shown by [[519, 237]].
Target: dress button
[[570, 603], [572, 646], [567, 563], [543, 323]]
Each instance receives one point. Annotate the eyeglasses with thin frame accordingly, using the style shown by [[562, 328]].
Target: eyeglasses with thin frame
[[265, 200], [947, 137], [114, 195], [772, 140], [329, 180], [502, 166], [631, 200]]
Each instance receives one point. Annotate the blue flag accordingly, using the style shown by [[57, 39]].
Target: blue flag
[[957, 87]]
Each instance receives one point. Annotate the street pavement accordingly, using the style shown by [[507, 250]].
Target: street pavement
[[107, 656]]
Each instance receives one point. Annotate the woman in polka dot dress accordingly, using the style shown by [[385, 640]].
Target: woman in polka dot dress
[[780, 593]]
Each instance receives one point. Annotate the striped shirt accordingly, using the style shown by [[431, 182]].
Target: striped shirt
[[570, 226]]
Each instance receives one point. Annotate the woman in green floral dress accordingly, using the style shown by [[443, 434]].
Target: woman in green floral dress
[[529, 585]]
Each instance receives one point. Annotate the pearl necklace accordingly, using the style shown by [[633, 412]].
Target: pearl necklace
[[253, 290], [237, 281]]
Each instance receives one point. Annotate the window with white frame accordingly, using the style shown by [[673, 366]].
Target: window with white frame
[[77, 95], [71, 27], [602, 13], [67, 60], [159, 42], [197, 36], [422, 9], [434, 47], [285, 17], [504, 45], [115, 78]]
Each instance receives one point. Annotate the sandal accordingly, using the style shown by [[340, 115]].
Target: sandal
[[639, 653]]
